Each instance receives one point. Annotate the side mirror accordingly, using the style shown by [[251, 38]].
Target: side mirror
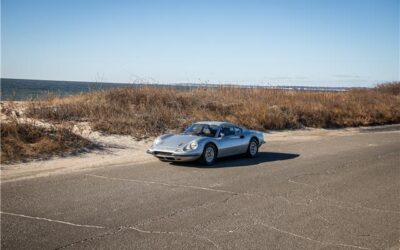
[[221, 135]]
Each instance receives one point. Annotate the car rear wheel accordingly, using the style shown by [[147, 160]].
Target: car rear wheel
[[252, 149], [209, 154]]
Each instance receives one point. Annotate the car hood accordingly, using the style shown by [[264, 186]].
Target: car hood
[[176, 141]]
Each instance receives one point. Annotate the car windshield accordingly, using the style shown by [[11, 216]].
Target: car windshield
[[201, 130]]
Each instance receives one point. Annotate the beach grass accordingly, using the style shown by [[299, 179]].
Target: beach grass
[[27, 141], [149, 111]]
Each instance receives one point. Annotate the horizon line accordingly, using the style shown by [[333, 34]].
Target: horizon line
[[208, 83]]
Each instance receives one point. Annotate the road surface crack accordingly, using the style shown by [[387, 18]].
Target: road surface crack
[[184, 210], [51, 220], [110, 232], [309, 238], [354, 206], [126, 228], [163, 184], [174, 233], [316, 189]]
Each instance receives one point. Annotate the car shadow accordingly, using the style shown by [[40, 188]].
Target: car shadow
[[241, 160]]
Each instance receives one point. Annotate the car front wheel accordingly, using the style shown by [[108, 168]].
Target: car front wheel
[[252, 150], [209, 155]]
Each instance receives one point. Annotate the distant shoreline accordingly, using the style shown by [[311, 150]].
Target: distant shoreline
[[25, 89]]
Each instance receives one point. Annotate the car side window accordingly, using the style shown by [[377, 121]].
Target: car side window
[[228, 130], [238, 131]]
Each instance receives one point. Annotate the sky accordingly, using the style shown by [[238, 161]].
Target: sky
[[269, 42]]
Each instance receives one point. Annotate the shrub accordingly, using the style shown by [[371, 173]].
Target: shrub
[[148, 111], [23, 141]]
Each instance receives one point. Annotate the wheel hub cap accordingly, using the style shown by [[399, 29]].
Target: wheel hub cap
[[209, 154], [253, 148]]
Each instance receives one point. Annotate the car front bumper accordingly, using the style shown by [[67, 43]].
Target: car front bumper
[[174, 156]]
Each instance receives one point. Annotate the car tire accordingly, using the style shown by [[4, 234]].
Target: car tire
[[252, 149], [209, 155]]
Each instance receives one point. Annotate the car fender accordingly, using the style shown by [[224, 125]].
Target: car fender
[[165, 136]]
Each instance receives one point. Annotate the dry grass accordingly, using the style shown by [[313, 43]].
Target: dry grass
[[148, 111], [24, 141], [390, 87]]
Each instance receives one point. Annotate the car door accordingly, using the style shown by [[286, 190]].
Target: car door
[[230, 141], [243, 144]]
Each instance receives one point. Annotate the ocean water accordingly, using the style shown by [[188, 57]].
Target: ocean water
[[24, 89]]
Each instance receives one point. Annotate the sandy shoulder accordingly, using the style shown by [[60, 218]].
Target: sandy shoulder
[[114, 150]]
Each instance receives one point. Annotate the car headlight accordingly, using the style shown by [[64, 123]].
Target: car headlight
[[157, 141], [193, 145]]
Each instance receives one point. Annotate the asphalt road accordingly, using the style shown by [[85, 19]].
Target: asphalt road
[[336, 192]]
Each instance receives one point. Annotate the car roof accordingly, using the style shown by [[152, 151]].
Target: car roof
[[217, 123]]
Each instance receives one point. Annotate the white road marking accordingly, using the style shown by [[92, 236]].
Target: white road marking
[[50, 220]]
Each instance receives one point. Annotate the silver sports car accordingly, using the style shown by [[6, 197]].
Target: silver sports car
[[207, 141]]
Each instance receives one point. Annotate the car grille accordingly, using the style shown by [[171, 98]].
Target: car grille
[[162, 153]]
